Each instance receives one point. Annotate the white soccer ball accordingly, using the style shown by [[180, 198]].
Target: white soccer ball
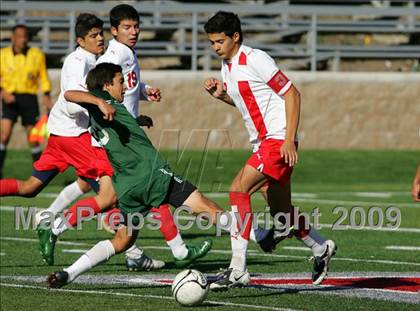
[[190, 288]]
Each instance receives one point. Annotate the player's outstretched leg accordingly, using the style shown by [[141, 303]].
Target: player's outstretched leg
[[98, 254]]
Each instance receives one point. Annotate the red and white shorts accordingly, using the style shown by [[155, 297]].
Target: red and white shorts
[[62, 152], [267, 160]]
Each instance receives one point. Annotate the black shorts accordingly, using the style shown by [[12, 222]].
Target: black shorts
[[25, 106], [179, 190]]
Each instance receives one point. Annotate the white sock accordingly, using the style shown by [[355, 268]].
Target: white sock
[[315, 242], [239, 246], [60, 226], [134, 252], [178, 247], [65, 197], [256, 234], [101, 252]]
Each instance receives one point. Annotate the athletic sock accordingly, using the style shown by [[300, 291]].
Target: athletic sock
[[101, 252], [8, 187], [170, 231], [36, 153], [65, 197], [90, 208], [134, 252], [314, 241], [256, 234], [241, 204]]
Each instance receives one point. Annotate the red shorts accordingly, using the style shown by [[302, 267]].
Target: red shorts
[[62, 152], [268, 161]]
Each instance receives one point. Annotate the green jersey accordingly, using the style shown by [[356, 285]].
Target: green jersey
[[141, 177]]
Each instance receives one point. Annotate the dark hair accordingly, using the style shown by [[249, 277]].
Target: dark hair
[[20, 26], [101, 74], [226, 22], [85, 22], [122, 12]]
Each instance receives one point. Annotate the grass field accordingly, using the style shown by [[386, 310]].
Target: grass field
[[373, 270]]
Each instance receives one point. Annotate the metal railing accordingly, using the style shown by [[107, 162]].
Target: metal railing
[[276, 21]]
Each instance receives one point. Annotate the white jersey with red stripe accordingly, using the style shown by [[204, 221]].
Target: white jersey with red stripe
[[257, 86], [67, 118], [120, 54]]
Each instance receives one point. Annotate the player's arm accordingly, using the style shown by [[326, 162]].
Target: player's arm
[[80, 97], [292, 103], [217, 90], [44, 82], [415, 191]]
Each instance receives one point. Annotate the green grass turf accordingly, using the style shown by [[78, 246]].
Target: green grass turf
[[331, 175]]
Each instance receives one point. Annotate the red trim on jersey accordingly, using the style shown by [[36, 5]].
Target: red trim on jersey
[[242, 59], [288, 89], [278, 81], [253, 109], [225, 86], [229, 66]]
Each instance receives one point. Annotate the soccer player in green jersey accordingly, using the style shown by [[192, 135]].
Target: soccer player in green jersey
[[142, 179]]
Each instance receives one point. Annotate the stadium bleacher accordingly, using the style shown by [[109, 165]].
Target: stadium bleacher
[[284, 29]]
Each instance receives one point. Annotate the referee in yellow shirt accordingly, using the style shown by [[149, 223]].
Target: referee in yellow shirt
[[22, 72]]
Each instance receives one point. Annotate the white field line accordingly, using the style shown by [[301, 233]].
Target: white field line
[[75, 251], [2, 254], [403, 248], [219, 251], [110, 293], [310, 198], [9, 208]]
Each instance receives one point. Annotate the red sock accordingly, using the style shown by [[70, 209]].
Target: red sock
[[89, 204], [167, 227], [8, 187], [243, 202]]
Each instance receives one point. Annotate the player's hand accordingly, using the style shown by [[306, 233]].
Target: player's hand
[[288, 151], [214, 87], [8, 98], [153, 94], [143, 120], [107, 110]]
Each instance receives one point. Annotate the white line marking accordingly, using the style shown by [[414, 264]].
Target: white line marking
[[109, 293], [297, 248], [75, 251], [403, 248], [251, 252], [342, 202], [6, 238], [2, 254]]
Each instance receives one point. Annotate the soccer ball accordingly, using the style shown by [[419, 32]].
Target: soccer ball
[[190, 288]]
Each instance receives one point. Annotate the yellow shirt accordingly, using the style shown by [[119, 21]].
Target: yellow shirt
[[23, 74]]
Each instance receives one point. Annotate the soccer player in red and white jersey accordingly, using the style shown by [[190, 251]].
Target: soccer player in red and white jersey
[[125, 29], [270, 106], [70, 143]]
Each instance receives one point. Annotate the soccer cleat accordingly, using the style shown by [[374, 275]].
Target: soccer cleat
[[320, 269], [194, 252], [47, 242], [143, 263], [230, 278], [57, 279], [274, 236]]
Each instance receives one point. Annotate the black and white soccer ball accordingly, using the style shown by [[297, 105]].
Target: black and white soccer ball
[[190, 288]]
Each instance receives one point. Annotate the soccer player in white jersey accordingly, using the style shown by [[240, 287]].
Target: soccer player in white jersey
[[270, 106]]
